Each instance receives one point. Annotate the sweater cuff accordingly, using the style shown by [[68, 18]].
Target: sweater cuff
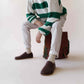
[[44, 31], [32, 19]]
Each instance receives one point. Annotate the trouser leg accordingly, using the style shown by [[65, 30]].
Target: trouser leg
[[56, 32], [27, 36]]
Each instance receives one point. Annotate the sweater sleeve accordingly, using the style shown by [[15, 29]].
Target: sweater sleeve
[[30, 13], [54, 10]]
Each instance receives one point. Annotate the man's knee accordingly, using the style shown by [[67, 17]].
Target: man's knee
[[56, 26]]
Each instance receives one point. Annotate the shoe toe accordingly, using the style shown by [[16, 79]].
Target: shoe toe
[[48, 69]]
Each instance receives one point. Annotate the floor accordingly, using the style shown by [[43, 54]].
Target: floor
[[68, 71]]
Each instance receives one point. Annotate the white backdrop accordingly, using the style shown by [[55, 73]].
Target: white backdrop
[[12, 16], [69, 71]]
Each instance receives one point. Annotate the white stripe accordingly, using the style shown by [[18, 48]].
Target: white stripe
[[52, 19], [46, 27], [54, 6], [39, 1], [41, 11]]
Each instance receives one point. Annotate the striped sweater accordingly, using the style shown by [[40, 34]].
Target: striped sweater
[[48, 10]]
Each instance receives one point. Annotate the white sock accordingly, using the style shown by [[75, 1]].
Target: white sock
[[51, 58], [28, 50]]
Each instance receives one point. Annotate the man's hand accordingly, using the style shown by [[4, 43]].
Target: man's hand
[[38, 23], [39, 35]]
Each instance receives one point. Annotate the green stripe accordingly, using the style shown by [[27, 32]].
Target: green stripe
[[48, 23], [44, 30], [54, 15], [64, 11], [29, 14], [45, 15], [29, 18], [59, 2], [40, 5], [51, 14], [32, 18]]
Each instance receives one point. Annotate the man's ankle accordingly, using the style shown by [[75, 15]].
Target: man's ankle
[[51, 58]]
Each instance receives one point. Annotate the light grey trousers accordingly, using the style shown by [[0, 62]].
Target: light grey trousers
[[56, 32]]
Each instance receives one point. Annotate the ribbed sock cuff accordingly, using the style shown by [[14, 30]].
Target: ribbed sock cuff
[[28, 50], [52, 58]]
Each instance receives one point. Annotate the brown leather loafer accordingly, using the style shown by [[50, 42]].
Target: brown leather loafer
[[24, 56], [48, 69]]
